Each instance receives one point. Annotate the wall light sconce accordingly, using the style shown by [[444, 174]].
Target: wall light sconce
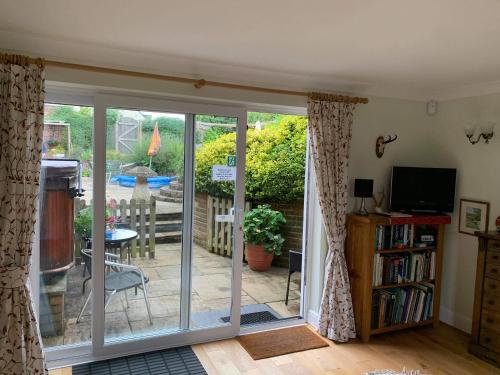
[[486, 132]]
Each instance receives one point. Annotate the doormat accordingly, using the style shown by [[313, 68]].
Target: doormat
[[254, 317], [178, 361], [280, 341]]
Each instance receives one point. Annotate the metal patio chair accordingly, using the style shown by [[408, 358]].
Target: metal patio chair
[[118, 277], [294, 265]]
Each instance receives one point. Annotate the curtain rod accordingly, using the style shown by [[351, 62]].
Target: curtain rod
[[198, 83]]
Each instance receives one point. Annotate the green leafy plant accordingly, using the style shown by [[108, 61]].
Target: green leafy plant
[[169, 161], [83, 223], [262, 226], [275, 162]]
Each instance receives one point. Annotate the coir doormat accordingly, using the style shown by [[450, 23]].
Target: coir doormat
[[280, 341], [178, 361]]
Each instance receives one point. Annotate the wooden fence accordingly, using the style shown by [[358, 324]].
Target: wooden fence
[[139, 216], [220, 233]]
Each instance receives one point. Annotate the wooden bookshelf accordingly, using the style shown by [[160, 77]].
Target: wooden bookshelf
[[400, 285], [360, 252]]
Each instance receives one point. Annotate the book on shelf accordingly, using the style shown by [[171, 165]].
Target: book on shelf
[[394, 236], [405, 305], [403, 268]]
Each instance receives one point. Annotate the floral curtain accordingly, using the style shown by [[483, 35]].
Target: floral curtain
[[21, 126], [330, 124]]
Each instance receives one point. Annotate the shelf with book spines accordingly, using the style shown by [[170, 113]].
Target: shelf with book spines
[[400, 285], [398, 327], [405, 249], [424, 235]]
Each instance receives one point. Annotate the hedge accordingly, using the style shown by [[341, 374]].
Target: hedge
[[275, 162]]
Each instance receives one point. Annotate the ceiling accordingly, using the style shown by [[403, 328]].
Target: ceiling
[[402, 48]]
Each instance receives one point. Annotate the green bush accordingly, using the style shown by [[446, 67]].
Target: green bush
[[167, 162], [83, 223], [275, 162]]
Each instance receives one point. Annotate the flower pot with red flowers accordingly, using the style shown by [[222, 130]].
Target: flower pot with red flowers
[[262, 234]]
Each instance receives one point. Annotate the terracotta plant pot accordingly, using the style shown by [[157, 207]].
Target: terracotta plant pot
[[258, 259]]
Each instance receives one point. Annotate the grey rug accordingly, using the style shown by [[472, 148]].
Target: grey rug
[[178, 361]]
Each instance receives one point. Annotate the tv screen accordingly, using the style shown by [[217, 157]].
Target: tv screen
[[423, 189]]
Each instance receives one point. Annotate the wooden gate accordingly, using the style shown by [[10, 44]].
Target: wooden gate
[[127, 133], [220, 233], [139, 216]]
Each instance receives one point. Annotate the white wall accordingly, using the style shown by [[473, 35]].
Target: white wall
[[422, 141], [478, 178], [414, 147]]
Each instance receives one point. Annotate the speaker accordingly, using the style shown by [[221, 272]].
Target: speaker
[[363, 188]]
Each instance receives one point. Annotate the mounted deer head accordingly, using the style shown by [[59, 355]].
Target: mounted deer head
[[380, 144]]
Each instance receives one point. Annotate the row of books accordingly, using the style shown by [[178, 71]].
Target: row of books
[[403, 268], [402, 305], [394, 236]]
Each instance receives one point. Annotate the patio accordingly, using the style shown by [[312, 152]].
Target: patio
[[210, 299]]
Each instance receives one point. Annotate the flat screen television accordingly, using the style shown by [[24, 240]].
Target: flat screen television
[[423, 189]]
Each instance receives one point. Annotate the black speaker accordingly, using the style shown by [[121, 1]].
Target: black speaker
[[363, 188]]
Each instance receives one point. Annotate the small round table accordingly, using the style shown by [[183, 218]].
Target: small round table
[[119, 238]]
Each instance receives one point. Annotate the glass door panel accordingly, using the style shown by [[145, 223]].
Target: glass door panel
[[213, 225], [144, 222], [65, 224]]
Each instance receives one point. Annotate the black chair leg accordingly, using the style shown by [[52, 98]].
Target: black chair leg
[[288, 287]]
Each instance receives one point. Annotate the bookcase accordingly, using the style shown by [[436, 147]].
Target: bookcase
[[395, 268]]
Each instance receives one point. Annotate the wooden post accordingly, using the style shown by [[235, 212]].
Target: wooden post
[[123, 212], [216, 225], [133, 226], [210, 219], [229, 229], [142, 227], [152, 228]]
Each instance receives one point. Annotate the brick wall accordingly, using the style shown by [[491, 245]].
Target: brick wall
[[292, 231], [200, 219]]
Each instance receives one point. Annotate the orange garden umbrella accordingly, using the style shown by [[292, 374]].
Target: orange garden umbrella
[[155, 144]]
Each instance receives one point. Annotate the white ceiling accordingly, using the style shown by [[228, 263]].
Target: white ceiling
[[415, 49]]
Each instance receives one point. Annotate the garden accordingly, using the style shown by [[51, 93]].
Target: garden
[[274, 184]]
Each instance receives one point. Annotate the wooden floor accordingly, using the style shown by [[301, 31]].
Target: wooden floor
[[433, 351]]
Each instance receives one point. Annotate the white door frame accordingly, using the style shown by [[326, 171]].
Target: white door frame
[[151, 341], [82, 352], [101, 349]]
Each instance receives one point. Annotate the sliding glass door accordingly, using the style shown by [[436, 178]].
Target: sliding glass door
[[152, 282], [126, 261]]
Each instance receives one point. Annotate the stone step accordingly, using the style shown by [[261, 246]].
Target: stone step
[[166, 226], [168, 192], [169, 237], [168, 199]]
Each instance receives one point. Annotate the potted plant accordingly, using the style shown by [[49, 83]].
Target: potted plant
[[261, 230], [83, 224]]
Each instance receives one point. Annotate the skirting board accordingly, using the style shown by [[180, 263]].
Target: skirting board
[[313, 318], [459, 321]]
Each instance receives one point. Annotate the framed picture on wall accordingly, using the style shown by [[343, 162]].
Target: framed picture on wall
[[473, 217]]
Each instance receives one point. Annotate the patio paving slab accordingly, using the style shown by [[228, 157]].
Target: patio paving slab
[[211, 291]]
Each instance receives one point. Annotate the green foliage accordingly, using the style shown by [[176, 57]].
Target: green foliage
[[169, 125], [115, 155], [83, 223], [253, 117], [81, 124], [262, 226], [275, 162], [215, 132], [167, 162]]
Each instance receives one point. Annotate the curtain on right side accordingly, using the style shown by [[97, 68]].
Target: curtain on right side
[[330, 125]]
